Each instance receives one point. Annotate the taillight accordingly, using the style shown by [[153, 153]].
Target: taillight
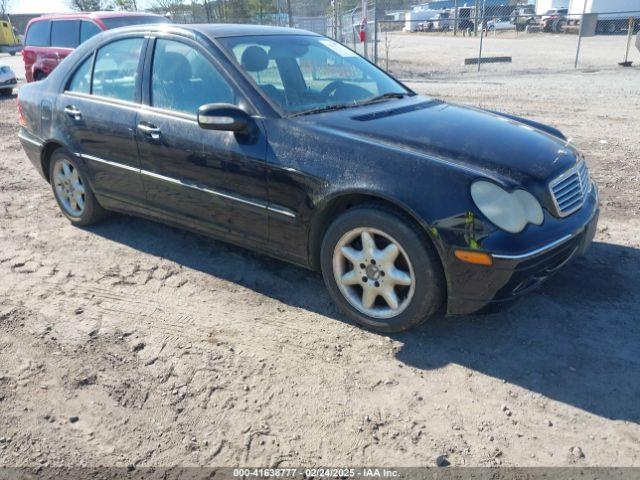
[[21, 118]]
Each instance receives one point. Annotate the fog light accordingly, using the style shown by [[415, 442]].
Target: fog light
[[477, 258]]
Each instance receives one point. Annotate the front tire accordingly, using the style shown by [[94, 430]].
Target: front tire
[[380, 269], [72, 191]]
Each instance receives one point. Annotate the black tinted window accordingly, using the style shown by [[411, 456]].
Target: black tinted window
[[88, 30], [116, 69], [64, 33], [38, 34], [123, 21], [183, 79]]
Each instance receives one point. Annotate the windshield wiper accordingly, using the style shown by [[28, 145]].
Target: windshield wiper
[[386, 96], [328, 108], [342, 106]]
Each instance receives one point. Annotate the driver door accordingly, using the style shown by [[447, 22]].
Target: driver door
[[212, 180]]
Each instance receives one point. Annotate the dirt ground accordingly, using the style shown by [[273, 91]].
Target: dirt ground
[[133, 343]]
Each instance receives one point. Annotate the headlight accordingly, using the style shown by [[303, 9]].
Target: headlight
[[510, 211]]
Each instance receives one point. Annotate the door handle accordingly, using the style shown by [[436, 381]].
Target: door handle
[[73, 112], [150, 130]]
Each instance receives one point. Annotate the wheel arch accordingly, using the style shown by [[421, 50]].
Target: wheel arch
[[338, 203], [45, 157]]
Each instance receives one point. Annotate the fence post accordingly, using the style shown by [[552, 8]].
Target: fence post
[[584, 10], [481, 35], [375, 34], [455, 18]]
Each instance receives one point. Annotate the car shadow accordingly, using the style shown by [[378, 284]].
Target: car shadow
[[5, 97], [575, 340]]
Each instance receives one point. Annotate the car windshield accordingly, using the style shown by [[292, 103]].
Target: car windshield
[[308, 74], [126, 20]]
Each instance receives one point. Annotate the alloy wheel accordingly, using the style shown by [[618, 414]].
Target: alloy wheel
[[69, 187], [373, 272]]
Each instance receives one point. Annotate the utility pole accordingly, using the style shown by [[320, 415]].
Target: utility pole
[[289, 14]]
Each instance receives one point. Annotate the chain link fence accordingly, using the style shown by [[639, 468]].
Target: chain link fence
[[420, 42]]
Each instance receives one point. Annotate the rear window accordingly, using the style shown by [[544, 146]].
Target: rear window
[[65, 33], [38, 34], [115, 22]]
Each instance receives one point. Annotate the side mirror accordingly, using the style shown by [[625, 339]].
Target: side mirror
[[223, 117]]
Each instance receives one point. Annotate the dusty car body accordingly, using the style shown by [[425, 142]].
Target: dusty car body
[[343, 181]]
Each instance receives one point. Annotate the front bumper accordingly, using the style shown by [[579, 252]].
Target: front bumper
[[475, 288]]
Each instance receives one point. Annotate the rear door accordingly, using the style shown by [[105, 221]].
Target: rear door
[[98, 112], [211, 178], [65, 35]]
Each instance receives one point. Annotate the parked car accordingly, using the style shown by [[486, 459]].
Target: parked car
[[500, 24], [554, 20], [8, 80], [440, 22], [524, 16], [289, 143], [50, 38]]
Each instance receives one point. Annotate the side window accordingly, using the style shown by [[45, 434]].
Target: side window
[[81, 80], [183, 79], [88, 30], [64, 33], [116, 69], [38, 34]]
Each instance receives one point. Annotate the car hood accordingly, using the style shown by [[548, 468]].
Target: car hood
[[488, 142]]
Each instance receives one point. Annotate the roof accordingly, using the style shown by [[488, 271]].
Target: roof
[[96, 15], [241, 30]]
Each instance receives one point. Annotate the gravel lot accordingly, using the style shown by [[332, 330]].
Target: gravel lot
[[133, 343]]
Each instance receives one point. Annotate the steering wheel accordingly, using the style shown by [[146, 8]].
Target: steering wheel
[[330, 90]]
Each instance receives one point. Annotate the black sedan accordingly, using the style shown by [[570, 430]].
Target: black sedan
[[289, 143]]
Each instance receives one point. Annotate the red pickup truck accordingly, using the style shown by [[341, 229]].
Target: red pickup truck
[[50, 38]]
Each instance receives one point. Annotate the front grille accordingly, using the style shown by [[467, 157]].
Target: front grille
[[11, 81], [570, 189]]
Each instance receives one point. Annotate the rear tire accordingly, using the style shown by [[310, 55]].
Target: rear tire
[[72, 191], [380, 269]]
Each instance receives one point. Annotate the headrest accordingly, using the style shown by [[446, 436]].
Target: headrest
[[255, 59], [174, 67]]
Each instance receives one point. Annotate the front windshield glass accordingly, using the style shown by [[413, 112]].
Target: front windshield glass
[[310, 73]]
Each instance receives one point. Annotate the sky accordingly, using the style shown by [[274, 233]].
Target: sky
[[38, 6], [41, 6]]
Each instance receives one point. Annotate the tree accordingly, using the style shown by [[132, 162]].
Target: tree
[[126, 5], [260, 8], [90, 5], [4, 6], [166, 6]]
